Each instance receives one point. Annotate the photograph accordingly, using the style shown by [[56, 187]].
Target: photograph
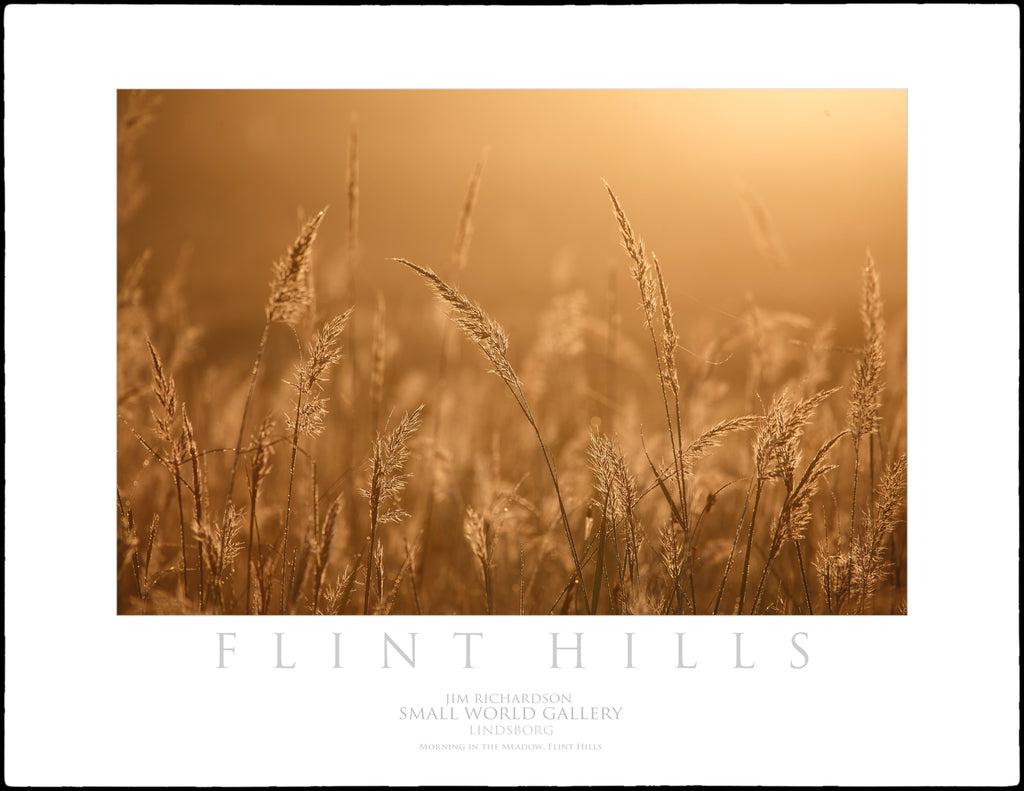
[[688, 389]]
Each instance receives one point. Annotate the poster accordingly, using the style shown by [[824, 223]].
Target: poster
[[925, 697]]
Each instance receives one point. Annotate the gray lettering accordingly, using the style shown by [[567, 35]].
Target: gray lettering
[[555, 648], [682, 664], [410, 661], [223, 648], [739, 661], [280, 663], [801, 650], [467, 635]]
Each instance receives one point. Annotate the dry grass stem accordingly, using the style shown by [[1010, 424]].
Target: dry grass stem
[[491, 339], [388, 458]]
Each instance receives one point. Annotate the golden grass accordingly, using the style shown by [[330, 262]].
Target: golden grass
[[727, 506]]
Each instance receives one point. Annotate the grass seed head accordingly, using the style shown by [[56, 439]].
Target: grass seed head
[[291, 286], [485, 332]]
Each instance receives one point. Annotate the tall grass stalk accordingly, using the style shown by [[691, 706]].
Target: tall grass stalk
[[260, 470], [190, 451], [349, 438], [387, 480], [776, 452], [866, 389], [491, 339], [480, 534], [750, 541], [869, 562], [322, 539], [795, 513], [460, 260], [652, 297], [291, 294], [163, 388], [324, 352]]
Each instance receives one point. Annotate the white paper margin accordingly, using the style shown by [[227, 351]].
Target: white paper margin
[[927, 699]]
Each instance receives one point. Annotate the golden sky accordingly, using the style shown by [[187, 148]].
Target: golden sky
[[824, 171]]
